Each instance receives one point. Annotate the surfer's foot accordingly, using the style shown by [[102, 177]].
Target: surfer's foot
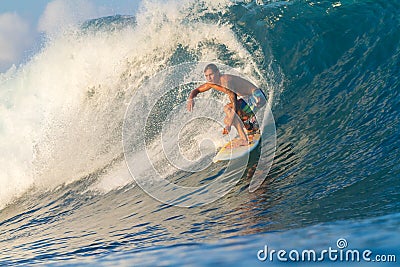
[[238, 143], [251, 138], [253, 131]]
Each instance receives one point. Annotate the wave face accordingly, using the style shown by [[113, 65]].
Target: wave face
[[331, 71]]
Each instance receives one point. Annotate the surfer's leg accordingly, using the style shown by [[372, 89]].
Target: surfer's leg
[[228, 113], [260, 99], [228, 118], [236, 122], [239, 128]]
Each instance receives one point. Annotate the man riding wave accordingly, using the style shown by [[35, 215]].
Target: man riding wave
[[250, 99]]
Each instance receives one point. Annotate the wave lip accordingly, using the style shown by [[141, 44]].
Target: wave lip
[[64, 108]]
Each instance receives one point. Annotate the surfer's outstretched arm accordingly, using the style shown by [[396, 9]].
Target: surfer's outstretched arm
[[202, 88], [207, 86]]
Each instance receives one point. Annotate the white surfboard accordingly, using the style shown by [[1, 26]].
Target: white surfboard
[[228, 153]]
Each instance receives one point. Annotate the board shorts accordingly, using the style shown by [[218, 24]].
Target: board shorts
[[247, 108]]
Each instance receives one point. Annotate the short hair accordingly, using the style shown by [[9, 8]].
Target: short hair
[[212, 67]]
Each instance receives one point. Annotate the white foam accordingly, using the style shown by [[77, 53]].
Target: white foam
[[61, 113]]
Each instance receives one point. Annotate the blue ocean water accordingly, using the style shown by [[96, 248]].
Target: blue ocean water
[[332, 73]]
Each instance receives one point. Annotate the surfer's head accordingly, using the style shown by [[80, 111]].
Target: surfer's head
[[212, 74]]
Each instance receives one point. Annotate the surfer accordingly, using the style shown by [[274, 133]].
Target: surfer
[[250, 99]]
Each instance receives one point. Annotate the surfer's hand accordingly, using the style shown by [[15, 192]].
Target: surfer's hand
[[226, 130], [190, 104]]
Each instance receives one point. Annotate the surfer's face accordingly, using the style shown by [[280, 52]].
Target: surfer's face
[[211, 76]]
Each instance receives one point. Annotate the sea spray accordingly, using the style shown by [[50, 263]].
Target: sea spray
[[62, 111]]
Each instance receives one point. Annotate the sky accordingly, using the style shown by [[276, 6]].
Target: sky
[[24, 22]]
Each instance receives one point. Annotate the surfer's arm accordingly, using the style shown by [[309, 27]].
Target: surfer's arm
[[232, 95], [193, 94], [202, 88], [232, 107], [207, 86]]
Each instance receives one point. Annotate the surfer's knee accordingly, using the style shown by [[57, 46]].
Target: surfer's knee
[[262, 101]]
